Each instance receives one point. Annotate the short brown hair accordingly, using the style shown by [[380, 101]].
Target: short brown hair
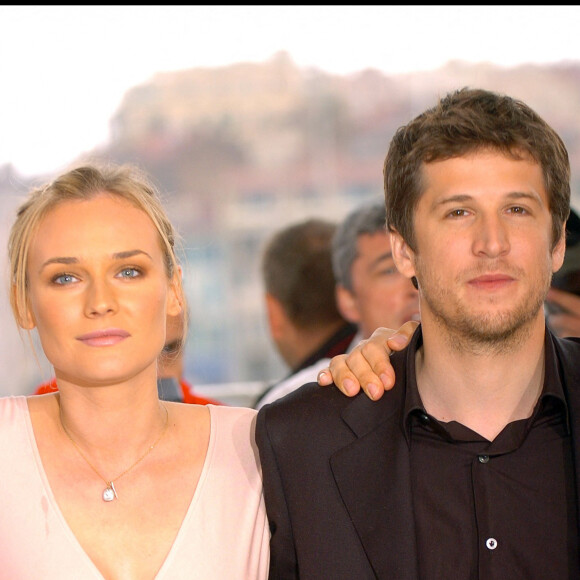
[[297, 271], [465, 121]]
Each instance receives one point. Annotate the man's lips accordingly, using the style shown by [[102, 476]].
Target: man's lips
[[492, 281], [105, 337]]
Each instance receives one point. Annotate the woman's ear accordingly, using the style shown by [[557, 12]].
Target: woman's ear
[[25, 316], [175, 295]]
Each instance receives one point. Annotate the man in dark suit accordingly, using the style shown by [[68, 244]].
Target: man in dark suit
[[468, 468]]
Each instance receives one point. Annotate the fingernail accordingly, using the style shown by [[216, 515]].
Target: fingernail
[[348, 386], [384, 380], [398, 339], [321, 375], [373, 390]]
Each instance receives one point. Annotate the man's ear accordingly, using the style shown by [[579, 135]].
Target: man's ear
[[277, 318], [403, 255], [347, 304], [558, 252]]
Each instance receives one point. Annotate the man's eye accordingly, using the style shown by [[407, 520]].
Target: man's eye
[[458, 213], [518, 210]]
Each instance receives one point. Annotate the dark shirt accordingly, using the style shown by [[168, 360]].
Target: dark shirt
[[495, 510], [337, 344]]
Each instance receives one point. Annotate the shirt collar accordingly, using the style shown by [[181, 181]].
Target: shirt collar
[[414, 406]]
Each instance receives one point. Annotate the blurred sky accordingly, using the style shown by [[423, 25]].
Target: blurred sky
[[64, 69]]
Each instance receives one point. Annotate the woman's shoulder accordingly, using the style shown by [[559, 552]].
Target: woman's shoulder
[[232, 412], [14, 416], [12, 406]]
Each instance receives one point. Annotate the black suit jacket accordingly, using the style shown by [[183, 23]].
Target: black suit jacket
[[337, 478]]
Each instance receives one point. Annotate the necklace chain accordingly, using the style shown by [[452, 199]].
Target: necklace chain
[[110, 492]]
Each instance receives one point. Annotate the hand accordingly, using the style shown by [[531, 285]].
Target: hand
[[565, 322], [368, 363]]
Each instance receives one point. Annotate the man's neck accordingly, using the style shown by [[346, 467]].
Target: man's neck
[[483, 389]]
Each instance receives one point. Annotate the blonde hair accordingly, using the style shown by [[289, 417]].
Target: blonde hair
[[80, 184]]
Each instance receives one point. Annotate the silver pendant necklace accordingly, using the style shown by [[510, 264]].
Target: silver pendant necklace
[[110, 493]]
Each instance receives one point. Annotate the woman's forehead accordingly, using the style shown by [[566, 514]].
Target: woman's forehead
[[104, 222]]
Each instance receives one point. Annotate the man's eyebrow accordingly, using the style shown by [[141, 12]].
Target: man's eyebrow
[[463, 197], [72, 260]]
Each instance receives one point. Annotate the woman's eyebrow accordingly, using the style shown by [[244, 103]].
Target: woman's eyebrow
[[72, 260]]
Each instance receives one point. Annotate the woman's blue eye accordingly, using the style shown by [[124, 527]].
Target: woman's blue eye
[[64, 279], [129, 273]]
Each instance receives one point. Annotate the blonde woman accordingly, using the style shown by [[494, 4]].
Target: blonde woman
[[102, 479]]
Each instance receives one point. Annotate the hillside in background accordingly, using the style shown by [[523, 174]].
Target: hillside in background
[[243, 150]]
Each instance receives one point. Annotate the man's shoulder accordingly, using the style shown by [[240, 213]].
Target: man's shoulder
[[293, 382], [306, 406], [310, 394]]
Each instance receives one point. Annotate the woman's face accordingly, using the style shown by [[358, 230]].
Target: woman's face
[[98, 291]]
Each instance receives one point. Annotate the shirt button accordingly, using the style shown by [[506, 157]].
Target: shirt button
[[424, 418], [491, 543], [483, 458]]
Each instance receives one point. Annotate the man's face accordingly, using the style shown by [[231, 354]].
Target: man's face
[[381, 295], [483, 255]]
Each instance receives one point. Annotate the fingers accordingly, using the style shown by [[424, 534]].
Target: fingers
[[324, 377], [402, 337], [368, 365], [339, 373], [342, 375]]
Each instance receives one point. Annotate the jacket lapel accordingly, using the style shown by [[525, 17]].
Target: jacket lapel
[[374, 480]]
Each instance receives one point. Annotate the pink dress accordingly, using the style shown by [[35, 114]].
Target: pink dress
[[224, 535]]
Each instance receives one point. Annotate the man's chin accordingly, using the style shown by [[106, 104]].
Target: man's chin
[[488, 329]]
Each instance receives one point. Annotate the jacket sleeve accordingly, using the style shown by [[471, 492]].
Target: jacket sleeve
[[283, 564]]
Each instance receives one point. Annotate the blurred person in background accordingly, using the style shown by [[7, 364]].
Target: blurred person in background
[[563, 299], [370, 291], [303, 319], [171, 384]]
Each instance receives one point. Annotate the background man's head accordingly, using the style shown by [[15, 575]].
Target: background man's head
[[567, 278], [370, 291], [299, 285]]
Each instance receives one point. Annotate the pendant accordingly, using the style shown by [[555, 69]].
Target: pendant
[[110, 493]]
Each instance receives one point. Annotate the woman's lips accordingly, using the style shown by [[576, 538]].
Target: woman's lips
[[106, 337]]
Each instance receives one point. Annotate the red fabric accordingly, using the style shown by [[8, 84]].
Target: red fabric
[[190, 397], [188, 394], [48, 387]]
